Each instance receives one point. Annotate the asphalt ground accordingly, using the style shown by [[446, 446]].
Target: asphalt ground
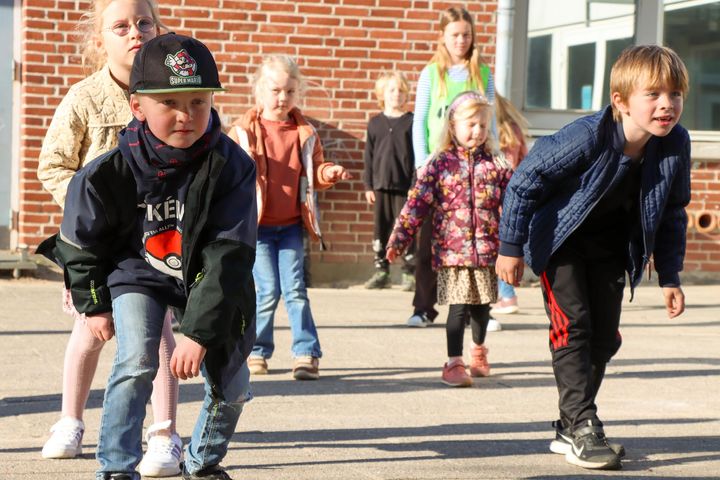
[[379, 410]]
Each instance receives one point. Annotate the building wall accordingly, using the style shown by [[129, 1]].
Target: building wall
[[702, 260], [341, 46]]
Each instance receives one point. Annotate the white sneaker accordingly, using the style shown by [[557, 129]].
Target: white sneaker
[[418, 320], [66, 439], [162, 458], [493, 325]]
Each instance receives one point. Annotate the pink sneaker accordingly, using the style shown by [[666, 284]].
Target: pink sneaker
[[505, 306], [455, 375], [479, 366]]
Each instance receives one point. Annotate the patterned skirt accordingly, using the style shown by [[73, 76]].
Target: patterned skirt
[[473, 286]]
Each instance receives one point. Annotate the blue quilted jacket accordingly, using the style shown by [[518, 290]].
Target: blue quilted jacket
[[566, 174]]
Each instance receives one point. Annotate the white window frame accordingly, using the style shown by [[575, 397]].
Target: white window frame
[[648, 29]]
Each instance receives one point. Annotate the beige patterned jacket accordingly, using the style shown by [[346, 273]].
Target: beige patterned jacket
[[85, 126]]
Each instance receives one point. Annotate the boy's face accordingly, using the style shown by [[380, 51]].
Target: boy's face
[[649, 111], [178, 119], [472, 131], [394, 97]]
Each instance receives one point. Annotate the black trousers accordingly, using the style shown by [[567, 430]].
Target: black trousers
[[425, 277], [388, 205], [583, 299], [455, 326]]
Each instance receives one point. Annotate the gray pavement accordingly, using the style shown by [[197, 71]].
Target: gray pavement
[[379, 410]]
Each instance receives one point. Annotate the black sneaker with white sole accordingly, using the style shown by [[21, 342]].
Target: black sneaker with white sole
[[589, 449], [563, 441]]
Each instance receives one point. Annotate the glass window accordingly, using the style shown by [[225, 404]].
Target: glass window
[[692, 29], [571, 46]]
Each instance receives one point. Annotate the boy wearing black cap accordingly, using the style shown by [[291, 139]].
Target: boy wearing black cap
[[168, 219]]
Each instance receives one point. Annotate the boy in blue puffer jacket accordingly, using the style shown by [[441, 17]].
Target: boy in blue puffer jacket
[[588, 203]]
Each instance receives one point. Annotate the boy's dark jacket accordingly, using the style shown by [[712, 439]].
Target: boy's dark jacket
[[217, 259], [564, 176]]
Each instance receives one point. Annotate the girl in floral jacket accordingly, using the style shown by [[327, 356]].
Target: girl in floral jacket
[[460, 190]]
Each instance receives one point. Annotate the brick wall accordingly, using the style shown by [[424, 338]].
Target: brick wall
[[703, 249], [341, 46]]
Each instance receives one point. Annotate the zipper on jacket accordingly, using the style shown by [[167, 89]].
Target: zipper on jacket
[[645, 256], [472, 206], [198, 278]]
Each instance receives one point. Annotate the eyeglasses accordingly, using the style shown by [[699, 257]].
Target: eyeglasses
[[121, 29]]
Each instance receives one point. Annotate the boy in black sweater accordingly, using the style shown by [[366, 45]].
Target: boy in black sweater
[[389, 168]]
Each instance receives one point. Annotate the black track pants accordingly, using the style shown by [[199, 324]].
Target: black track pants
[[425, 277], [582, 299], [387, 207]]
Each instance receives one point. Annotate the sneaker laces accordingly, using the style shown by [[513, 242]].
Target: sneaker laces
[[161, 444], [69, 430]]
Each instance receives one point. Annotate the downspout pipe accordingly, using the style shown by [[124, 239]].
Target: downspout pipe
[[503, 46]]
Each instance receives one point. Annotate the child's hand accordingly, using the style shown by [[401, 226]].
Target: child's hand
[[186, 359], [337, 173], [674, 301], [391, 254], [510, 269], [370, 197], [101, 326]]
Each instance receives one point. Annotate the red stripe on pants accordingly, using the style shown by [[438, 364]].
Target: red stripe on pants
[[558, 319]]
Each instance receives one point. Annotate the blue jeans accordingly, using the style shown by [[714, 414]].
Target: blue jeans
[[505, 290], [279, 270], [138, 326]]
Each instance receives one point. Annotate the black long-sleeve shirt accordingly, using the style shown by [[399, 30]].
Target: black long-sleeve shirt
[[389, 160]]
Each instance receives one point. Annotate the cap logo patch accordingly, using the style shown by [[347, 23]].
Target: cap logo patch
[[183, 67]]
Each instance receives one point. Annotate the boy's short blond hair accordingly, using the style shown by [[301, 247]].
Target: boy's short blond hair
[[382, 82], [646, 66]]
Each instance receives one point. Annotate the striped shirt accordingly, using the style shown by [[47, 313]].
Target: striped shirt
[[457, 73]]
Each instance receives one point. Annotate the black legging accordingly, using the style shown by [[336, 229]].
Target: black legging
[[455, 326]]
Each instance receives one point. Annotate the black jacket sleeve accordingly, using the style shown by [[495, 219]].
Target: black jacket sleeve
[[221, 301]]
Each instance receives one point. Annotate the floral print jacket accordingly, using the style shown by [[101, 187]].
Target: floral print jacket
[[461, 191]]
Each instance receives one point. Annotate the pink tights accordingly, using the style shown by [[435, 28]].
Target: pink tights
[[81, 360]]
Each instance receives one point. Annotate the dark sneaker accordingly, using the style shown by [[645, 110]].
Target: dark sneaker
[[563, 441], [589, 449], [117, 476], [379, 280], [216, 472]]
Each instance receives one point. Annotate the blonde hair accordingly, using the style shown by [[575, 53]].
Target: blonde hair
[[466, 105], [94, 57], [442, 58], [506, 115], [282, 62], [384, 79], [648, 66]]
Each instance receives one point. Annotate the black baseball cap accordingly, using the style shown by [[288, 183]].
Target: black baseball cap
[[174, 63]]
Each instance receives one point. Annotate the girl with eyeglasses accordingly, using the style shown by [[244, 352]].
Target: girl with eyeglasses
[[86, 125]]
